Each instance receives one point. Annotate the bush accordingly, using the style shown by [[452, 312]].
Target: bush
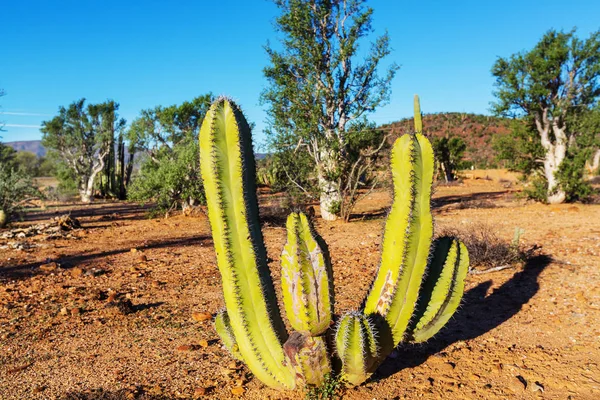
[[486, 249], [16, 188], [171, 180]]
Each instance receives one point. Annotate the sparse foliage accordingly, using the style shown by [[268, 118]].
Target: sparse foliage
[[16, 187], [318, 87], [82, 135], [168, 139], [552, 87], [448, 154]]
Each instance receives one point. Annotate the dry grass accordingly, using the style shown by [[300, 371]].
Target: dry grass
[[486, 249]]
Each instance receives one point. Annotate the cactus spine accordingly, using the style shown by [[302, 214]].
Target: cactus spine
[[442, 290], [304, 278], [408, 233], [223, 328], [415, 292], [356, 345], [227, 167]]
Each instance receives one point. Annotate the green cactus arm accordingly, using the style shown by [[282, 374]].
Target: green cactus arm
[[304, 278], [443, 288], [408, 233], [418, 117], [228, 173], [356, 345], [223, 328]]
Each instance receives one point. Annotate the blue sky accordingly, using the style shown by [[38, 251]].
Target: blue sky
[[146, 53]]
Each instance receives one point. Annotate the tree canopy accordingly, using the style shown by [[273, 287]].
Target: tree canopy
[[554, 85], [318, 86], [82, 135]]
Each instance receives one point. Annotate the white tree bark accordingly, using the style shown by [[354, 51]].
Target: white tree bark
[[595, 164], [330, 194], [555, 154], [86, 191]]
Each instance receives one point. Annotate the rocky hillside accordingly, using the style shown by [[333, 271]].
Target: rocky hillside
[[476, 130]]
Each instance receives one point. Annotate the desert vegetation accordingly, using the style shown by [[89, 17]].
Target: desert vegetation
[[162, 256]]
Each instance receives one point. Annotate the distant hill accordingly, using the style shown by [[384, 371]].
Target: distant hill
[[476, 130], [33, 146]]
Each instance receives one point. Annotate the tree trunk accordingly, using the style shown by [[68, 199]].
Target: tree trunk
[[330, 196], [3, 219], [555, 155], [86, 194], [448, 176], [595, 164], [330, 199]]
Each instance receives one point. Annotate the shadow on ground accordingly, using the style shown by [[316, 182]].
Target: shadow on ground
[[27, 270], [479, 314], [462, 201], [100, 394], [120, 211]]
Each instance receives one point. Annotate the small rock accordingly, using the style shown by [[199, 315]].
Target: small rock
[[201, 316], [142, 258], [38, 389], [76, 272], [125, 307], [49, 267], [199, 392], [64, 311], [133, 250], [203, 343], [537, 387], [238, 391], [75, 311], [112, 297], [185, 347]]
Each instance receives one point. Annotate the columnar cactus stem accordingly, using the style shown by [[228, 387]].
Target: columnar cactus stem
[[398, 307], [408, 233], [228, 172], [305, 280], [443, 288], [356, 345], [223, 328]]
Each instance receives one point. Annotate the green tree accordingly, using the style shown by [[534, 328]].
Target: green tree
[[16, 187], [318, 86], [449, 152], [28, 162], [168, 138], [552, 87], [82, 135]]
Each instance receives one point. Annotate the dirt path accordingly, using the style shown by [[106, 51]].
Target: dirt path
[[112, 319]]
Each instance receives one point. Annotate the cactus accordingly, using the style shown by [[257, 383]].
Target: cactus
[[416, 290], [356, 345], [305, 279]]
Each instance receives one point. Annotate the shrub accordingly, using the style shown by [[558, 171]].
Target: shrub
[[171, 180], [16, 188]]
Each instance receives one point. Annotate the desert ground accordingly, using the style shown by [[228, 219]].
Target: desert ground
[[122, 307]]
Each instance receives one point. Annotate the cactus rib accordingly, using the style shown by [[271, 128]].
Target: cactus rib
[[223, 328], [228, 172], [356, 345], [304, 278], [442, 289], [408, 233]]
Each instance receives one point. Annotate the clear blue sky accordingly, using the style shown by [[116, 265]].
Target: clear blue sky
[[145, 53]]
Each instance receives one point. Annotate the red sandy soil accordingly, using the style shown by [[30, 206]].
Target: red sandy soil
[[113, 317]]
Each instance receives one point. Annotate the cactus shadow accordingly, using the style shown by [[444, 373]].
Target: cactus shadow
[[480, 313]]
